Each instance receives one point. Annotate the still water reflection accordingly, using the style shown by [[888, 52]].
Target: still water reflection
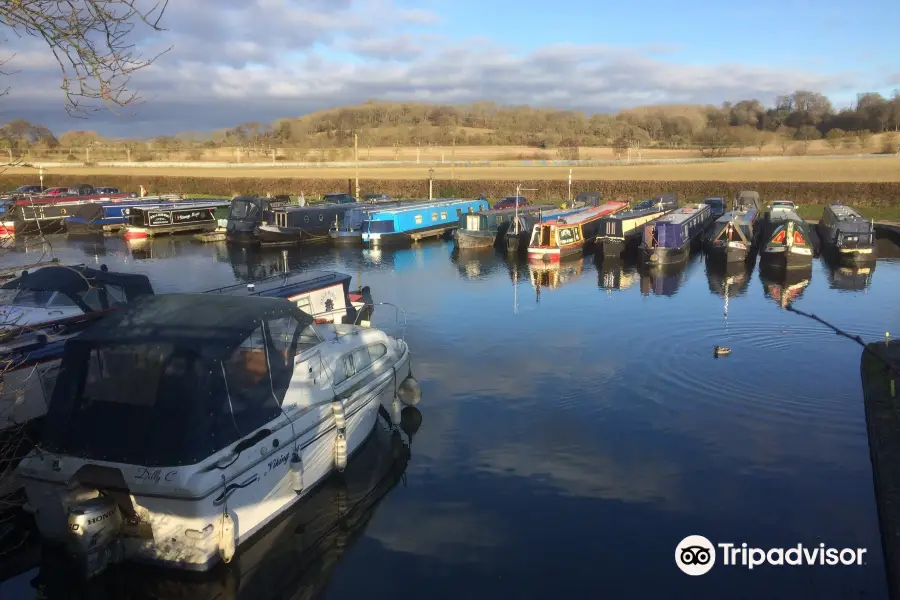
[[576, 426]]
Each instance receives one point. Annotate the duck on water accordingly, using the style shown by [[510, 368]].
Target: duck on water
[[237, 407]]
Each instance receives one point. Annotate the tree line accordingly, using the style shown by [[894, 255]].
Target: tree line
[[794, 121]]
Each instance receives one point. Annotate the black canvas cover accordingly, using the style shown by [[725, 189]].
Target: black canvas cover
[[173, 379], [78, 279]]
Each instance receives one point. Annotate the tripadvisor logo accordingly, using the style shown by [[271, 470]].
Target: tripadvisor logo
[[696, 555]]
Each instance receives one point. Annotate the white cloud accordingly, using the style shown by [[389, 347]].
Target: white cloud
[[237, 61]]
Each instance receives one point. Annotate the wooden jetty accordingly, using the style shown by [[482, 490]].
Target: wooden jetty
[[211, 236], [880, 370]]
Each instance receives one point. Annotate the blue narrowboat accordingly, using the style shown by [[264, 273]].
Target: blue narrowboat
[[846, 235], [408, 224], [348, 230], [621, 232], [671, 238], [110, 216]]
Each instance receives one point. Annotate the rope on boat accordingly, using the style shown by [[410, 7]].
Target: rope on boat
[[886, 361]]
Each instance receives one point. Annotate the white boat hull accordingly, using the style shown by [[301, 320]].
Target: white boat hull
[[193, 517]]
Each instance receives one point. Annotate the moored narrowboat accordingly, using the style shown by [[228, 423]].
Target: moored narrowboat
[[488, 228], [46, 214], [718, 206], [406, 224], [788, 241], [735, 235], [92, 218], [553, 240], [846, 235], [247, 213], [292, 225], [519, 233], [671, 238], [622, 232], [347, 229], [178, 217]]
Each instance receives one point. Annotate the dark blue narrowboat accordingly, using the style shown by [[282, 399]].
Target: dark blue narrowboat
[[622, 231], [94, 218], [287, 226], [247, 213], [406, 224], [671, 238], [846, 235], [486, 229]]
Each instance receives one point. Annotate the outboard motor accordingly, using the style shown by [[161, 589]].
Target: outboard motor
[[94, 528]]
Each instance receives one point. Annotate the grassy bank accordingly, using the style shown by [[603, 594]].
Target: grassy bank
[[851, 169]]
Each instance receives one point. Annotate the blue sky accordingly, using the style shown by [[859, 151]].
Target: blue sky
[[234, 61]]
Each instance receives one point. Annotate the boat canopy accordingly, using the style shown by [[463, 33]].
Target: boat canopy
[[87, 288], [173, 379]]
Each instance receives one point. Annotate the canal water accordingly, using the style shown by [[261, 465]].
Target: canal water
[[575, 428]]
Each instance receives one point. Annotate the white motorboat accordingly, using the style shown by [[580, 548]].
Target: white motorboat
[[182, 424], [54, 293]]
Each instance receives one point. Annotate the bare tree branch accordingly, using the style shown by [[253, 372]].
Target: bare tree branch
[[92, 42]]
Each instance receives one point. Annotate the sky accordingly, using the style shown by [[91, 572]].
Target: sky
[[234, 61]]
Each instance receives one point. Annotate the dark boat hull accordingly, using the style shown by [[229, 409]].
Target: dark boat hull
[[785, 259], [95, 226], [475, 239], [666, 256], [728, 254], [845, 256], [611, 247], [271, 235], [517, 243], [406, 238], [346, 238]]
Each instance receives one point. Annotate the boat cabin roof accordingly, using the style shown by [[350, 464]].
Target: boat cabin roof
[[79, 279], [285, 284], [511, 211], [842, 212], [683, 214], [585, 214], [440, 203], [212, 325]]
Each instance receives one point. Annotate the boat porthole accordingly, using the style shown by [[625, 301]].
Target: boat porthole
[[306, 218], [62, 211], [321, 217]]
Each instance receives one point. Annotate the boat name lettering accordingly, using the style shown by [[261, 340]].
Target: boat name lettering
[[160, 219], [277, 462], [148, 475], [187, 216], [170, 475]]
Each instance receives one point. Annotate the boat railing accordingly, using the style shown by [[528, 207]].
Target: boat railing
[[398, 313]]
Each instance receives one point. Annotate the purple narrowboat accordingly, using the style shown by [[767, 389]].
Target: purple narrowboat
[[671, 238]]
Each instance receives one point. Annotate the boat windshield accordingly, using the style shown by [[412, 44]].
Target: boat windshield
[[243, 209]]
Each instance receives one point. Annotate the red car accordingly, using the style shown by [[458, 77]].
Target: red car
[[511, 202], [58, 191]]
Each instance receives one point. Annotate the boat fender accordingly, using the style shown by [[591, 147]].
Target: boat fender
[[340, 452], [721, 351], [340, 421], [226, 543], [409, 391], [296, 473]]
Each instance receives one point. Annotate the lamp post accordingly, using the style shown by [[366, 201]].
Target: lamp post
[[430, 184]]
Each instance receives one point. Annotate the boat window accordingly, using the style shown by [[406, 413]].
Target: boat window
[[29, 297], [471, 209], [458, 212], [241, 209], [361, 359], [578, 234], [536, 236], [566, 236], [148, 404], [115, 295], [418, 219], [304, 304], [499, 219], [377, 351], [434, 216], [92, 298], [60, 299], [247, 376], [443, 215], [283, 333], [345, 370]]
